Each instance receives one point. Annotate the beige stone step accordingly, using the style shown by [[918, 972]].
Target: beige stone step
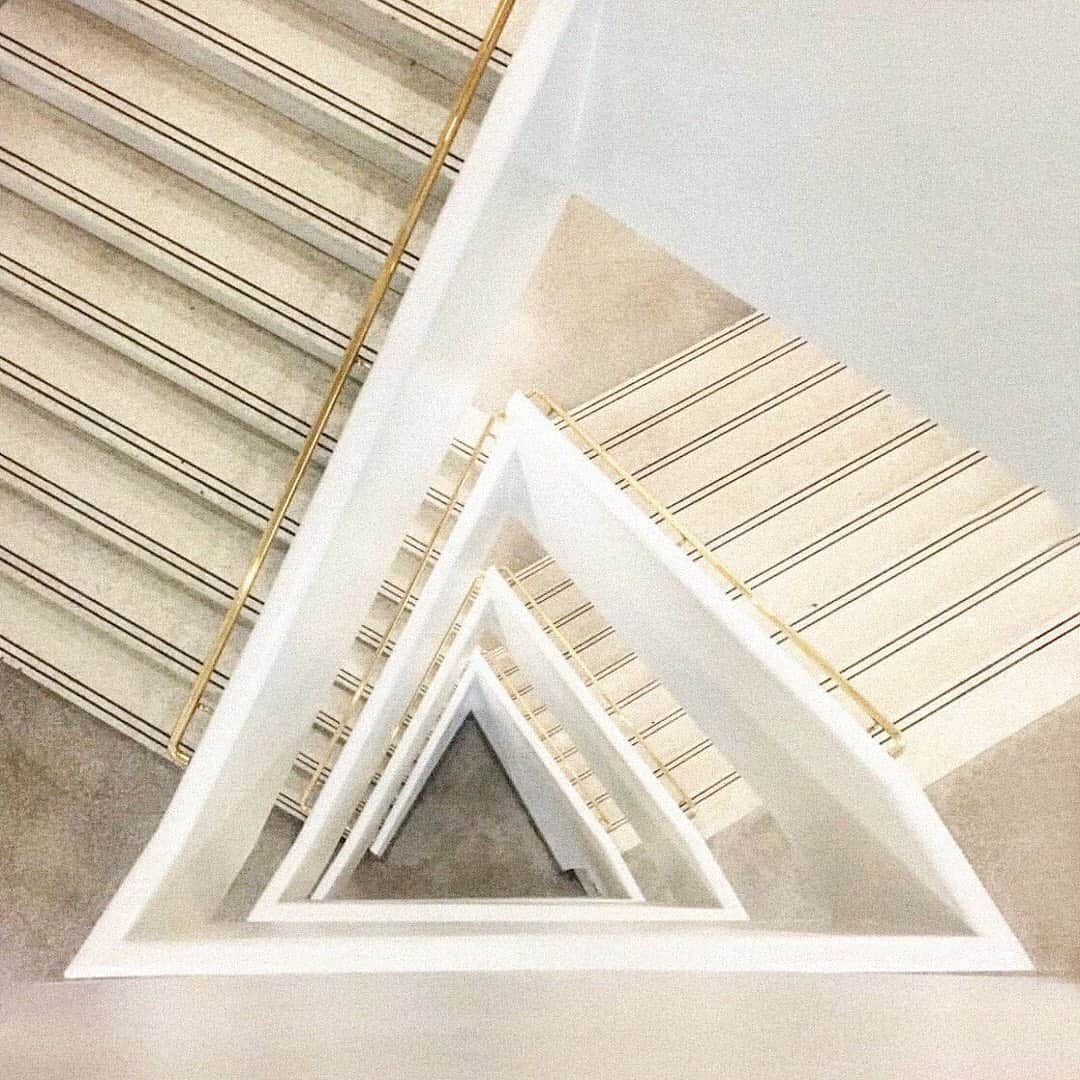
[[253, 376], [305, 184], [228, 254], [442, 35], [329, 78]]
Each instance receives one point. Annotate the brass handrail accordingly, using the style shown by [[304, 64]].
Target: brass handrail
[[360, 694], [576, 779], [698, 546], [375, 297], [590, 680]]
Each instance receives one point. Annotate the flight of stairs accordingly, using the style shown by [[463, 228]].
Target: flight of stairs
[[194, 199], [944, 587]]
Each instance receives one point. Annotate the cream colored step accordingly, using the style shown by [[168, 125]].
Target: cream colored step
[[702, 430], [898, 474], [255, 377], [1029, 585], [129, 617], [893, 586], [442, 35], [734, 361], [305, 184], [873, 618], [81, 660], [140, 415], [1019, 683], [819, 437], [118, 594], [155, 521], [109, 479], [330, 79], [644, 710], [176, 226], [47, 634]]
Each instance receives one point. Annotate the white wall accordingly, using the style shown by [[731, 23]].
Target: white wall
[[533, 1027], [894, 179]]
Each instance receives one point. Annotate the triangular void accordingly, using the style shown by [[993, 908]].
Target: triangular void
[[540, 824], [468, 833], [857, 817], [687, 869]]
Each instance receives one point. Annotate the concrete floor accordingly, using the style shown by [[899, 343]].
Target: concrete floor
[[1015, 812], [468, 835], [80, 800], [639, 307]]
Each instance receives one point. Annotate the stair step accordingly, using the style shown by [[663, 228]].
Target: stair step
[[125, 617], [54, 641], [963, 641], [178, 533], [753, 348], [206, 242], [117, 593], [442, 35], [303, 183], [859, 489], [813, 437], [328, 78], [265, 383], [139, 414], [127, 503], [72, 655], [918, 567]]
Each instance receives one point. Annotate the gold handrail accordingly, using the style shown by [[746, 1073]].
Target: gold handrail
[[570, 651], [375, 297], [697, 545], [543, 735], [360, 694]]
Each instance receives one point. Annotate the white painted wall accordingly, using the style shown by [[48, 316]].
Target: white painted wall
[[525, 1026], [894, 179]]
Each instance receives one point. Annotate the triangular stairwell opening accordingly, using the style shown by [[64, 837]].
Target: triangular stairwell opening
[[468, 834]]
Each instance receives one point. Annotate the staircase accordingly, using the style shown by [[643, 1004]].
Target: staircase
[[942, 586], [194, 201]]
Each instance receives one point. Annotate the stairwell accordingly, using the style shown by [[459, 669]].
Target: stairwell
[[194, 201], [939, 583]]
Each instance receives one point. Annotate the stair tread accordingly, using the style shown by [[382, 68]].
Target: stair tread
[[441, 36], [257, 376], [179, 227], [193, 439], [292, 58], [216, 136]]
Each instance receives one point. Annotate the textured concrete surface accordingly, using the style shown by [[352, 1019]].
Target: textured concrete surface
[[602, 305], [1015, 812], [468, 835]]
